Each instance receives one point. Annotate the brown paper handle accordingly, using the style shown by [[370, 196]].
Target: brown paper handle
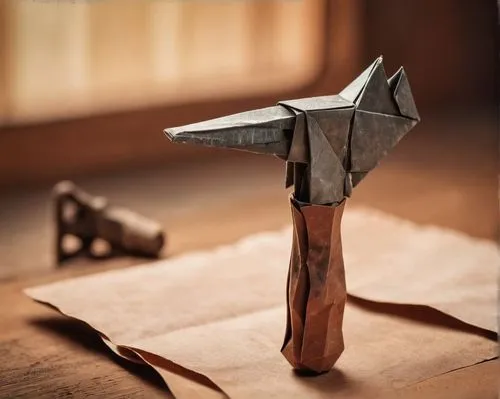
[[316, 293]]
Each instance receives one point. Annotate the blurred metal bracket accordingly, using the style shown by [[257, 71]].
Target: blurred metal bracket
[[91, 219]]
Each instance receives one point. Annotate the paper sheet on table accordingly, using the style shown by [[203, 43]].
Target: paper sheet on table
[[220, 314], [393, 260]]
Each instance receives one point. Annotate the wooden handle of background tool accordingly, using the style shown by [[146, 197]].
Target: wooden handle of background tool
[[93, 219], [316, 294], [130, 232]]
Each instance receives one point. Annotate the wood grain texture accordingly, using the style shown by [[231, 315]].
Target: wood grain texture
[[47, 356]]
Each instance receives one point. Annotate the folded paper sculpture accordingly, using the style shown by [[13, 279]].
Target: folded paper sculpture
[[329, 144]]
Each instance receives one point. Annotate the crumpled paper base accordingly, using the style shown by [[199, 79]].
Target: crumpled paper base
[[212, 323]]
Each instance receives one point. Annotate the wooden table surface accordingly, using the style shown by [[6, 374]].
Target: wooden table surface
[[444, 174]]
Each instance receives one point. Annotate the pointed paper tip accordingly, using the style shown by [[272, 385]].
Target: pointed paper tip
[[352, 91], [379, 60], [264, 131], [178, 135], [169, 133], [402, 94], [400, 71]]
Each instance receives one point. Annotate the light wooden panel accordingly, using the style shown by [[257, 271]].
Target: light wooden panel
[[119, 55], [47, 58], [68, 59]]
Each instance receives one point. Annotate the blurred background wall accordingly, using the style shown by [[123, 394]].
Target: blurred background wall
[[71, 59]]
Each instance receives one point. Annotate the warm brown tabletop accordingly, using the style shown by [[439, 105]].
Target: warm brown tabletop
[[47, 355]]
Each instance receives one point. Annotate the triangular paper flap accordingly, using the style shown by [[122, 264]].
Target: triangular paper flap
[[400, 86], [299, 148], [373, 136], [356, 177], [352, 91], [335, 125], [377, 96], [317, 103], [326, 170]]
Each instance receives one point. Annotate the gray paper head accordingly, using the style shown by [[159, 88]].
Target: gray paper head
[[330, 143]]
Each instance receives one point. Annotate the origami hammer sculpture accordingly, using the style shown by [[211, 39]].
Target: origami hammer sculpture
[[329, 144], [94, 218]]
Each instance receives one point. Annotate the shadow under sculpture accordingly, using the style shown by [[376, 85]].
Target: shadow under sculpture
[[329, 144]]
